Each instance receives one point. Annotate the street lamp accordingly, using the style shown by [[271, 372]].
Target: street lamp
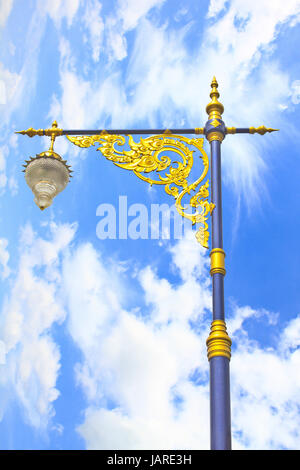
[[47, 175]]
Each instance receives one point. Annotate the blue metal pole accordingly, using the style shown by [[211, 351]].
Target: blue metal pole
[[218, 343], [219, 365]]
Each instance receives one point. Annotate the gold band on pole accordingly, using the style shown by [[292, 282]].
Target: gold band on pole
[[215, 135], [217, 261], [218, 343]]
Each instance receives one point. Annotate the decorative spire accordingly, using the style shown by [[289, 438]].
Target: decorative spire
[[214, 109]]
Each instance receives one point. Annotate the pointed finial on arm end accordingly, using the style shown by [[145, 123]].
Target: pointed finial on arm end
[[261, 130]]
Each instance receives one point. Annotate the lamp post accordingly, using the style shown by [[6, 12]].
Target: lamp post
[[47, 175]]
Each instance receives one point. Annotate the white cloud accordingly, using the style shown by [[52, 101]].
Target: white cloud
[[174, 304], [5, 9], [137, 365], [128, 16], [215, 7], [13, 185], [2, 92], [4, 151], [17, 87], [9, 81], [139, 362], [265, 390], [131, 11], [92, 291], [290, 336], [30, 367], [60, 9], [4, 257], [296, 91], [93, 22], [235, 324], [244, 37]]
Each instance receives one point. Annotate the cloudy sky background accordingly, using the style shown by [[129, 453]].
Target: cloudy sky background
[[103, 341]]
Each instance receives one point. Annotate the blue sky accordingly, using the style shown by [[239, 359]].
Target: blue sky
[[103, 341]]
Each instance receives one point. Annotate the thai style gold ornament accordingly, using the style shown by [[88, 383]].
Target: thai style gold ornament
[[152, 154]]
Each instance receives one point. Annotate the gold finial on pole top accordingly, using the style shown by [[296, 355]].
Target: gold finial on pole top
[[214, 109]]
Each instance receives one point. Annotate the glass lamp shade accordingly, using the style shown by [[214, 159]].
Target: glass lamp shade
[[47, 176]]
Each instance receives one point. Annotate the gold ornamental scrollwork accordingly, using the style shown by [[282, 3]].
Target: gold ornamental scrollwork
[[149, 155]]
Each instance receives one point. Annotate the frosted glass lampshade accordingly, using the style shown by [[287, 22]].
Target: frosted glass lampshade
[[47, 176]]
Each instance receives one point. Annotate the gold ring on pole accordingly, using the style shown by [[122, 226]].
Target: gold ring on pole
[[217, 261], [218, 343]]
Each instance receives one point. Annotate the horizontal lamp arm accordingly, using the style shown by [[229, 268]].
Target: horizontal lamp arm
[[195, 131], [49, 132], [54, 131]]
